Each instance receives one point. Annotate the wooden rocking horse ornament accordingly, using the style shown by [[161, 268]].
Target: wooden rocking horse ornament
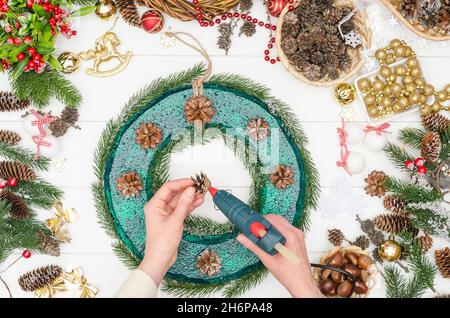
[[105, 50]]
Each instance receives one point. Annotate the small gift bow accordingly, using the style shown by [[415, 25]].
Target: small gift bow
[[378, 129], [57, 224], [76, 277], [344, 149], [42, 120], [48, 291], [40, 142]]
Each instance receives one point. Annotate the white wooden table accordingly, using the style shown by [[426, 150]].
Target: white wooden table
[[315, 108]]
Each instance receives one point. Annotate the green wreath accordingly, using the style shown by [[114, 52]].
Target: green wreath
[[123, 217]]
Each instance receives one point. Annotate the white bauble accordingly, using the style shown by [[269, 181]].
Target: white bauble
[[29, 128], [375, 142], [53, 150], [355, 162], [355, 133]]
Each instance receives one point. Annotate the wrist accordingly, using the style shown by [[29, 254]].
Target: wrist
[[154, 269], [309, 290]]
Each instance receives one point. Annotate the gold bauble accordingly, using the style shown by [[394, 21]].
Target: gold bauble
[[412, 62], [410, 88], [428, 90], [388, 90], [420, 82], [425, 110], [385, 71], [390, 250], [447, 89], [415, 72], [391, 58], [414, 98], [378, 85], [408, 51], [442, 96], [396, 89], [386, 101], [105, 9], [380, 54], [395, 43], [70, 62], [370, 99], [372, 111], [436, 107], [364, 84], [400, 51], [345, 93], [400, 70], [392, 78], [407, 79], [403, 102]]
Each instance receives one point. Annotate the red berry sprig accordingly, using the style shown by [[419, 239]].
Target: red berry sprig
[[204, 23], [26, 254], [11, 183], [418, 163]]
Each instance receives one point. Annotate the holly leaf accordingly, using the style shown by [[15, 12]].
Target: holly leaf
[[44, 47], [18, 69], [39, 10], [54, 63], [83, 11], [13, 53], [47, 34]]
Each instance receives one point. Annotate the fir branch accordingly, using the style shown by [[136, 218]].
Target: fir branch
[[198, 225], [243, 284], [17, 153], [395, 282], [39, 89], [187, 290], [84, 2], [38, 193], [430, 221], [397, 156], [125, 255], [412, 137], [412, 193]]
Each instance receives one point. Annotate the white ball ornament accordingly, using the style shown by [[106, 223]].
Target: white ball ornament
[[53, 150], [355, 162], [375, 142], [28, 125], [355, 133]]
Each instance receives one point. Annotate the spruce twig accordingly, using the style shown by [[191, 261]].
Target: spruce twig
[[17, 153], [412, 136], [412, 193]]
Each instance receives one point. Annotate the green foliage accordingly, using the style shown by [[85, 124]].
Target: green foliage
[[398, 156], [40, 194], [411, 192], [17, 153], [39, 89], [423, 272], [429, 220], [412, 136]]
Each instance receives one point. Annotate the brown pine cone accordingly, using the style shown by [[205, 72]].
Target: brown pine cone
[[48, 244], [199, 108], [436, 122], [258, 129], [392, 223], [332, 15], [70, 115], [313, 72], [345, 62], [442, 258], [39, 277], [19, 208], [209, 263], [431, 146], [148, 135], [394, 204], [224, 40], [289, 45], [10, 103], [245, 5], [16, 170], [129, 12], [289, 30], [201, 183], [129, 184], [282, 177], [375, 184], [248, 29], [362, 241], [58, 127], [9, 137], [408, 8], [425, 242], [335, 237]]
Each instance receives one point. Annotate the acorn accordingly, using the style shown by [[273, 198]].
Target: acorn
[[336, 260], [361, 288], [352, 269], [337, 276], [328, 287], [344, 289], [325, 273], [364, 261], [352, 258]]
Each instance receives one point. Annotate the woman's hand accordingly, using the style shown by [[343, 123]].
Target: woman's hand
[[164, 218], [297, 279]]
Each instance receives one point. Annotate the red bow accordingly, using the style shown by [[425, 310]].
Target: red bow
[[379, 130], [344, 149], [39, 141], [42, 120], [343, 162]]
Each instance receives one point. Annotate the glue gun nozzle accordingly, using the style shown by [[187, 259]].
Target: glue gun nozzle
[[212, 191]]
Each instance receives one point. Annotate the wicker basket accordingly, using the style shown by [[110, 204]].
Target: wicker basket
[[363, 27], [434, 34], [373, 271]]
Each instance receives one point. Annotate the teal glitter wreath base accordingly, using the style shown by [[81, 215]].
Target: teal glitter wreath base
[[237, 100]]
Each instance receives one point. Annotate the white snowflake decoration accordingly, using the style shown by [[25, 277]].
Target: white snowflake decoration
[[352, 39], [167, 41], [59, 164], [348, 113]]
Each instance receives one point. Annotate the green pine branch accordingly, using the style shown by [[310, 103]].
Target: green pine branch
[[39, 89], [125, 255], [246, 282], [397, 156], [17, 153], [430, 221], [83, 2], [38, 193], [412, 193], [412, 136], [187, 290]]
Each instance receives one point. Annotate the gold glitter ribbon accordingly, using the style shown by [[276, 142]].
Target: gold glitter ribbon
[[57, 224], [76, 277]]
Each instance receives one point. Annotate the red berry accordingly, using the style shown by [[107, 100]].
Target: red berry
[[211, 23], [266, 52], [10, 40], [31, 50], [199, 15], [27, 39], [12, 182], [409, 164], [272, 61], [20, 56], [236, 14], [17, 41], [255, 20], [37, 57], [229, 14], [17, 24], [31, 65], [3, 183], [224, 17], [30, 3], [74, 33], [195, 1], [52, 20], [422, 170], [218, 21], [8, 28], [266, 58], [261, 23], [419, 162], [26, 254]]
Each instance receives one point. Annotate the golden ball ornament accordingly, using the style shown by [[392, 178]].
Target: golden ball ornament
[[412, 62], [425, 110], [370, 99], [408, 51], [407, 80], [380, 54], [390, 250], [397, 108], [415, 72], [392, 78], [385, 71], [410, 88], [442, 96], [436, 107], [69, 61], [345, 93], [400, 70], [447, 89], [152, 21], [373, 111], [105, 9], [396, 89], [428, 90], [403, 102], [420, 82], [400, 51], [386, 101], [391, 58], [395, 43], [414, 98], [364, 84], [378, 85]]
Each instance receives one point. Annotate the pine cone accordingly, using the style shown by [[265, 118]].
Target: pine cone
[[258, 129], [58, 127], [290, 30], [442, 258], [368, 227], [313, 72], [9, 137], [375, 184], [16, 170], [431, 146], [199, 108], [332, 15], [224, 39], [376, 255], [129, 12], [282, 177], [201, 183], [290, 17], [408, 8], [425, 242], [40, 277], [129, 184], [10, 103], [335, 237], [442, 296], [245, 5], [248, 29], [48, 244], [392, 223], [394, 204], [289, 45], [148, 135], [209, 263], [70, 115], [362, 241], [19, 208], [436, 122]]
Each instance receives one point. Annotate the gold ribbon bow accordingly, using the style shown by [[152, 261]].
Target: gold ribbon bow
[[76, 277], [57, 224], [48, 291]]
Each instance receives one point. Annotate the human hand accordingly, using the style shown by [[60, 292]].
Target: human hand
[[164, 218], [297, 279]]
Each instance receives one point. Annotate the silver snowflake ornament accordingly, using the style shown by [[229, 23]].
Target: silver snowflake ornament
[[352, 39]]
